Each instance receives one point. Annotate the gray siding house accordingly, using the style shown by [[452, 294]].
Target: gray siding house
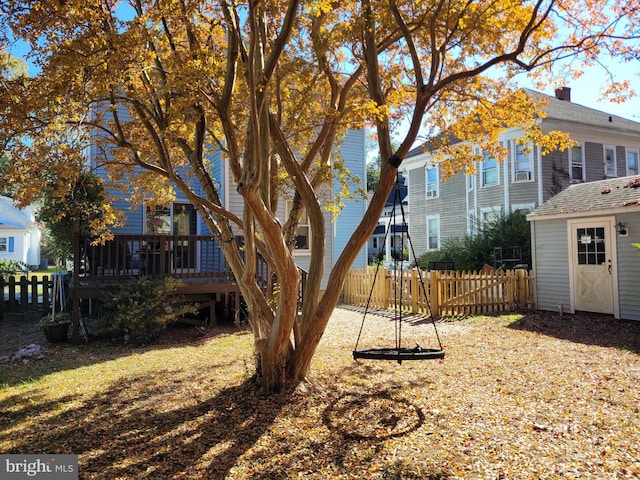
[[583, 252], [607, 147]]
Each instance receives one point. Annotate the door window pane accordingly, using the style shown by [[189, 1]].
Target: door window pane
[[591, 246], [158, 220]]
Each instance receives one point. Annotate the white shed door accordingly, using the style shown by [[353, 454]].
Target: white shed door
[[593, 273]]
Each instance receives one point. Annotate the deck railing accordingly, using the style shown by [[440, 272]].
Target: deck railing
[[180, 256], [445, 293], [129, 256]]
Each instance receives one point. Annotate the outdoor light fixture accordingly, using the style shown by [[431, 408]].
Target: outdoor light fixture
[[623, 231]]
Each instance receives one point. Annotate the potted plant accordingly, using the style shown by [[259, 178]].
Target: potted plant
[[55, 326]]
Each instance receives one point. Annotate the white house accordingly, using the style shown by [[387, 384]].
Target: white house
[[19, 234]]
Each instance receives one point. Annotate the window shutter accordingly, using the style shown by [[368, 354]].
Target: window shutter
[[11, 244]]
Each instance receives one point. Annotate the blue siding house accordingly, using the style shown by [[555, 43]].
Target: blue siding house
[[174, 240]]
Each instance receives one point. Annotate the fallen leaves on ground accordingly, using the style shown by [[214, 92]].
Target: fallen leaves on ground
[[532, 396]]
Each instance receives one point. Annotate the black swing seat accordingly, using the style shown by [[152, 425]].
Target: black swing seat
[[399, 354]]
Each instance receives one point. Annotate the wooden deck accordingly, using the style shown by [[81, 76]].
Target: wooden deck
[[196, 260]]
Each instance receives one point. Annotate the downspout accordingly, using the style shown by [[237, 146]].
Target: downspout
[[538, 154], [475, 199], [467, 193], [505, 168], [534, 262]]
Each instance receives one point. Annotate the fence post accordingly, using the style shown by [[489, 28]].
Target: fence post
[[46, 295], [385, 292], [510, 290], [34, 294], [24, 294], [12, 294], [2, 286], [415, 289], [524, 288], [434, 288]]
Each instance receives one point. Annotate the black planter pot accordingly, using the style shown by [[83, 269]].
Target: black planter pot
[[56, 333]]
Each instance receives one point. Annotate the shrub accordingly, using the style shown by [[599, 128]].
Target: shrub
[[473, 252], [141, 310], [10, 268]]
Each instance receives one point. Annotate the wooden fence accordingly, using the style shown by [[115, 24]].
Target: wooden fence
[[440, 293], [22, 295]]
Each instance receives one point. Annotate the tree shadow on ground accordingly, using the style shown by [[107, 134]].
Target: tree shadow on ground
[[345, 433], [393, 315], [148, 428], [16, 335], [589, 329], [170, 425]]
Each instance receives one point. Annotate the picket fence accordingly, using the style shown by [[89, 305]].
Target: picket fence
[[440, 293], [28, 295]]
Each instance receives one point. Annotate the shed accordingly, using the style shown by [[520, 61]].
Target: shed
[[583, 252]]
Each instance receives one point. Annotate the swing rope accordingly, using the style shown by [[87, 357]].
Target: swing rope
[[399, 353]]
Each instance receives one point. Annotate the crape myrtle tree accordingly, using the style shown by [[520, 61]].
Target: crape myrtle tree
[[272, 86]]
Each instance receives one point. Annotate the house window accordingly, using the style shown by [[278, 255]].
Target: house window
[[432, 182], [158, 220], [177, 219], [632, 162], [472, 224], [471, 183], [433, 232], [303, 232], [609, 161], [489, 171], [7, 244], [489, 215], [523, 207], [522, 163], [576, 163]]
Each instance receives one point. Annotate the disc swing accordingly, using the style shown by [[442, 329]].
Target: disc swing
[[398, 352]]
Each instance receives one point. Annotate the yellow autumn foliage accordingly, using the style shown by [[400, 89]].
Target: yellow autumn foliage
[[154, 95]]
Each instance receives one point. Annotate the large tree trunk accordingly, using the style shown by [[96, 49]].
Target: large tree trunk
[[301, 362]]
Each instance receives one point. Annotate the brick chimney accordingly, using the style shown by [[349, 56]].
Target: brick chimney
[[563, 93]]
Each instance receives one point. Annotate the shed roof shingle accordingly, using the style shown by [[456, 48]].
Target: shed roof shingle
[[598, 196]]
